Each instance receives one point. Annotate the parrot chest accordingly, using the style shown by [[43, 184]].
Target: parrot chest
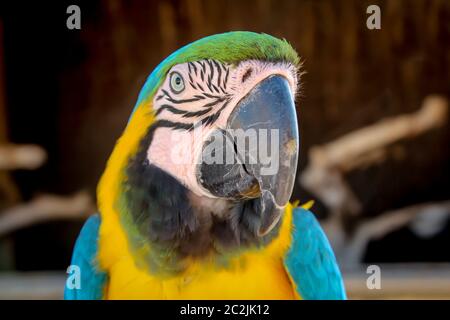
[[253, 276]]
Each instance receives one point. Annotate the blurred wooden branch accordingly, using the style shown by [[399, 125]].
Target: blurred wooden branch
[[325, 177], [376, 228], [28, 157], [44, 208], [350, 150], [32, 285], [328, 163], [401, 281], [8, 189]]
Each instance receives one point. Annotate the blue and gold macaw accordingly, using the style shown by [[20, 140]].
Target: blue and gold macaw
[[188, 211]]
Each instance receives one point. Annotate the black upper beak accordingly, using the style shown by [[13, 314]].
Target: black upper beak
[[262, 134]]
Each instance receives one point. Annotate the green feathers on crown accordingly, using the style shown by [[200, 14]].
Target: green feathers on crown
[[233, 47], [230, 48]]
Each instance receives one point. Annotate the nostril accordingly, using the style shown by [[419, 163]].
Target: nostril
[[247, 74]]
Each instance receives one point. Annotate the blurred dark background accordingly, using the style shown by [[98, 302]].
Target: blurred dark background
[[71, 92]]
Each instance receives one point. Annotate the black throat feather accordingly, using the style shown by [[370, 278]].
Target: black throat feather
[[161, 212]]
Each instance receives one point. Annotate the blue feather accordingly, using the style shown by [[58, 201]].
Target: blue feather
[[311, 262], [92, 280]]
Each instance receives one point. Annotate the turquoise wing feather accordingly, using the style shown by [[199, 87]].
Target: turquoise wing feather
[[310, 260], [92, 280]]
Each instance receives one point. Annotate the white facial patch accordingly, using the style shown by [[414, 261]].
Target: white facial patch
[[197, 98]]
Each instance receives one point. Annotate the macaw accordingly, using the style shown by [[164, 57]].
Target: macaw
[[175, 225]]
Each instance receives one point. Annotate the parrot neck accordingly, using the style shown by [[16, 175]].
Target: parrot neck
[[177, 225]]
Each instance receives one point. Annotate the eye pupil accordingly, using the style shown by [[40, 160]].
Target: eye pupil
[[176, 82]]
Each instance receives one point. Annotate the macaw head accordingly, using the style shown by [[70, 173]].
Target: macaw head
[[209, 156]]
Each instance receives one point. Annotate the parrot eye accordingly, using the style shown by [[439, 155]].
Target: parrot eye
[[176, 82]]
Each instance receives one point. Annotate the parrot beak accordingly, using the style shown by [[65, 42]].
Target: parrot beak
[[263, 132]]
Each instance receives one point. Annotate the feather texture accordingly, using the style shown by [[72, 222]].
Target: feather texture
[[93, 280], [310, 260]]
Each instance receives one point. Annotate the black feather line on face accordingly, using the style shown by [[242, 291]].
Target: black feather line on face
[[176, 125], [211, 96], [192, 84], [226, 78], [163, 215], [211, 67], [192, 114], [186, 114], [202, 75], [179, 101], [209, 83], [193, 67], [219, 70], [199, 113], [200, 86], [169, 108]]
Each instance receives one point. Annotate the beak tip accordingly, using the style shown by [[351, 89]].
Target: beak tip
[[264, 230]]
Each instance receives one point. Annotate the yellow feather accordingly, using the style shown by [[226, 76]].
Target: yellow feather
[[308, 205]]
